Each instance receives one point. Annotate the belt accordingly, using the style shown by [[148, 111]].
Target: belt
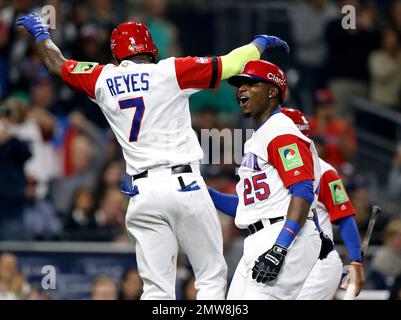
[[255, 227], [174, 170]]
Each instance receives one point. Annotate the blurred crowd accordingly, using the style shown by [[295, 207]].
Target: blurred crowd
[[61, 166]]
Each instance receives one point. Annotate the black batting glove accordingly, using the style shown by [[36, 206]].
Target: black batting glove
[[327, 246], [269, 264]]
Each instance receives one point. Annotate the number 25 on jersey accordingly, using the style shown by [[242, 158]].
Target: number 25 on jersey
[[257, 186]]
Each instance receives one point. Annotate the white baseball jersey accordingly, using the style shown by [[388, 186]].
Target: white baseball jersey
[[276, 156], [146, 105], [333, 201], [333, 204]]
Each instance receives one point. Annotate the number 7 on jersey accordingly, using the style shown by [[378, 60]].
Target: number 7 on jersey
[[138, 115]]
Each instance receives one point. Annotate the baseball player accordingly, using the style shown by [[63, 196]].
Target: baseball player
[[333, 206], [146, 105], [279, 176]]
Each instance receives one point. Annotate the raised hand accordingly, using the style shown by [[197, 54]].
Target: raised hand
[[35, 25]]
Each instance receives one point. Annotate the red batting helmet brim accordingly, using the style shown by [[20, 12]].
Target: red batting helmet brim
[[241, 78]]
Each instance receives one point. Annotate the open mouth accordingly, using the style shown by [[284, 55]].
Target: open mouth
[[243, 100]]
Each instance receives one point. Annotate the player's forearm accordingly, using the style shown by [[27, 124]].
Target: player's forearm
[[50, 56], [226, 203], [296, 217], [298, 210], [350, 235], [234, 62]]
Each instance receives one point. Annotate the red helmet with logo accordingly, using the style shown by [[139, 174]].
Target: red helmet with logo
[[298, 117], [264, 71], [132, 38]]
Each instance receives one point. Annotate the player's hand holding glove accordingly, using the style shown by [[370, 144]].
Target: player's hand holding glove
[[34, 24], [271, 44], [269, 264]]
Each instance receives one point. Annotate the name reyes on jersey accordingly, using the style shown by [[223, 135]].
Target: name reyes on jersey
[[127, 83]]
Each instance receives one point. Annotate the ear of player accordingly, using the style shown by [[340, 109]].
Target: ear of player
[[269, 264], [35, 25]]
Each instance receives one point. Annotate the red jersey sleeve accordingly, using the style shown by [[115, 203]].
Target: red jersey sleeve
[[81, 76], [334, 196], [292, 158], [198, 72]]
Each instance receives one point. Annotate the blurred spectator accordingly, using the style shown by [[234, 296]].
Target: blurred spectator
[[82, 212], [78, 17], [394, 177], [103, 13], [310, 46], [387, 259], [110, 177], [85, 155], [205, 119], [359, 194], [164, 32], [40, 219], [13, 155], [349, 50], [131, 286], [385, 71], [395, 16], [35, 294], [35, 125], [223, 100], [94, 40], [14, 43], [13, 285], [104, 288], [82, 224], [110, 217], [335, 133], [113, 149]]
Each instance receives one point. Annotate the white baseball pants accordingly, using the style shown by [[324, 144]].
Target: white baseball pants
[[301, 257], [160, 219], [324, 279]]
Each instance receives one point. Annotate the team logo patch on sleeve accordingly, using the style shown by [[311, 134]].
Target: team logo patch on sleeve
[[338, 192], [84, 67], [202, 60], [290, 157]]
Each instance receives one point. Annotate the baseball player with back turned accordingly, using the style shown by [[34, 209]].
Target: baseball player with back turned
[[335, 207], [146, 104], [279, 177]]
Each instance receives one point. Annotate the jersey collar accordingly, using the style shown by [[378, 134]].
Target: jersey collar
[[275, 111]]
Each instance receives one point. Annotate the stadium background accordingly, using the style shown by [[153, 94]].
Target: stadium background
[[62, 206]]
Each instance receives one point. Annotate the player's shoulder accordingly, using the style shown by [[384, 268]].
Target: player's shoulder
[[279, 125], [325, 166], [168, 62], [281, 120]]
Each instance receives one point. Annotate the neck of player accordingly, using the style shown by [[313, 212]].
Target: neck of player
[[261, 117]]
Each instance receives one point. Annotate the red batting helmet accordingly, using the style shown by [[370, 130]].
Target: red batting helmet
[[264, 71], [132, 38], [298, 117]]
